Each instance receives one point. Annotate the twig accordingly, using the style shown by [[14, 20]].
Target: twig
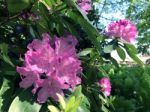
[[102, 8], [14, 16], [10, 18]]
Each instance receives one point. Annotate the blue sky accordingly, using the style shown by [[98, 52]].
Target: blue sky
[[109, 12]]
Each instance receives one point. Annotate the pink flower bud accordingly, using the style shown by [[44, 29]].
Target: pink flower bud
[[105, 85]]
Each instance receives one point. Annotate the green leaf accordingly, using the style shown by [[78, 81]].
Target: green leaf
[[7, 70], [53, 108], [70, 104], [15, 6], [4, 52], [61, 101], [121, 53], [4, 48], [60, 25], [6, 92], [32, 32], [48, 2], [131, 48], [93, 34], [108, 49], [77, 104], [84, 106], [114, 62], [82, 109], [132, 53], [105, 109], [24, 103], [7, 60], [78, 92], [69, 26], [103, 99], [43, 23], [85, 52]]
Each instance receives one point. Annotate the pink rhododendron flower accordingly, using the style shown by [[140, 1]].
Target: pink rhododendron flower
[[85, 5], [122, 29], [105, 85], [50, 66]]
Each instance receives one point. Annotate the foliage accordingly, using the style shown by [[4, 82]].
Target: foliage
[[139, 12], [131, 84], [71, 105]]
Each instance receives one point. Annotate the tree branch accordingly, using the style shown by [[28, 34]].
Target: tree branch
[[10, 18]]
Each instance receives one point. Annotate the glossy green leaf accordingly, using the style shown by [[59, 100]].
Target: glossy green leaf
[[61, 101], [6, 92], [7, 60], [4, 48], [43, 23], [114, 62], [48, 2], [77, 104], [108, 49], [104, 109], [82, 109], [15, 6], [69, 27], [121, 53], [24, 103], [8, 70], [85, 105], [85, 52], [78, 91], [32, 32], [70, 104], [60, 25], [3, 54], [53, 108], [131, 50], [93, 34]]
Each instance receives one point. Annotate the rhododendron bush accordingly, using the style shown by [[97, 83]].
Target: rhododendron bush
[[52, 59]]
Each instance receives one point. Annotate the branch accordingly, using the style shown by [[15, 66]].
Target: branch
[[14, 16], [10, 18], [102, 8]]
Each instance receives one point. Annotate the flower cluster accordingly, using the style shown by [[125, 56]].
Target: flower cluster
[[50, 66], [85, 5], [105, 85], [122, 29]]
